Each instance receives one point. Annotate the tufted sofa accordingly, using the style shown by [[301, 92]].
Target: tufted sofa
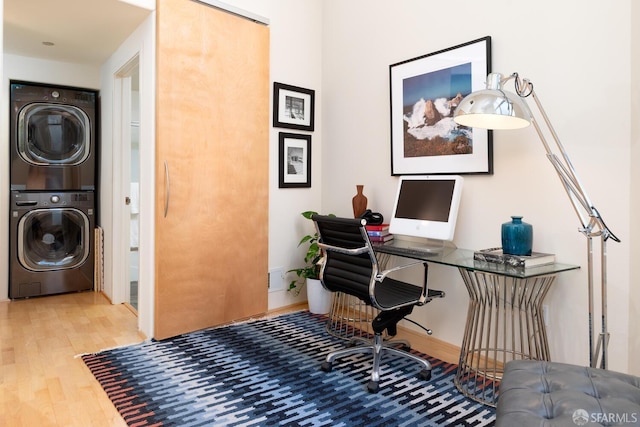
[[549, 394]]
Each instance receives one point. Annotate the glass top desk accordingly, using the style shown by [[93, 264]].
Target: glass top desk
[[504, 319]]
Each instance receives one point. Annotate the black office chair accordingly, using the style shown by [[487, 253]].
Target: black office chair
[[350, 266]]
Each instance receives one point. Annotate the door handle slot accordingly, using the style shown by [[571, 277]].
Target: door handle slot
[[167, 186]]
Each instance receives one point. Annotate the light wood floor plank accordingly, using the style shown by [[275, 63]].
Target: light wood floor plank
[[42, 381]]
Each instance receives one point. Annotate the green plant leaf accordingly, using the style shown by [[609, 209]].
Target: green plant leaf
[[309, 214], [311, 258], [305, 239]]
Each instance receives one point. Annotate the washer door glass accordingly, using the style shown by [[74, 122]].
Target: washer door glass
[[53, 134], [53, 239]]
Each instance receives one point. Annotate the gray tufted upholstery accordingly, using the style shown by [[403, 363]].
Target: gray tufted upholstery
[[534, 393]]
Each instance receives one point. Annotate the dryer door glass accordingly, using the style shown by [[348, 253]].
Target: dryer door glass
[[53, 134], [53, 239]]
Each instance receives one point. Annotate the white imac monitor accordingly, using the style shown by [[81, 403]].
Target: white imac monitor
[[427, 206]]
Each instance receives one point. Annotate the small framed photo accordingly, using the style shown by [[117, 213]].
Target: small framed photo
[[424, 94], [295, 160], [293, 107]]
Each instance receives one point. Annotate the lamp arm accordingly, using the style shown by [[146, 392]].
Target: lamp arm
[[566, 172], [572, 187], [592, 226]]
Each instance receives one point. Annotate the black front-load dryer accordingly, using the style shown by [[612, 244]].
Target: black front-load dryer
[[52, 137], [52, 237]]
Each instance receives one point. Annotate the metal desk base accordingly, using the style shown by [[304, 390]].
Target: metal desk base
[[504, 322], [350, 318]]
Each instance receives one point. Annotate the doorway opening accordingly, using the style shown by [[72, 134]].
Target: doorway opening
[[128, 83]]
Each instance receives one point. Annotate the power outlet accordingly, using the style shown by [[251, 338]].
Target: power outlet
[[276, 279]]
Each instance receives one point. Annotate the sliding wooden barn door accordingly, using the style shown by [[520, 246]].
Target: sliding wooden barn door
[[211, 167]]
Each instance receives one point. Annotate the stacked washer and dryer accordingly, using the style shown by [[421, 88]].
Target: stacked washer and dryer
[[53, 183]]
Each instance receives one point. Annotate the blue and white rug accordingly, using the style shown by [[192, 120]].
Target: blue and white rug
[[266, 372]]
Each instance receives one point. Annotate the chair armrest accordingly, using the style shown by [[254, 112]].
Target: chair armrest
[[427, 294], [382, 274]]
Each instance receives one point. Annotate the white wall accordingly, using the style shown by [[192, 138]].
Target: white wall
[[580, 53], [634, 195], [314, 45], [34, 70], [577, 54]]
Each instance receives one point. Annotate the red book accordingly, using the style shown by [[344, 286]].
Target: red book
[[380, 227]]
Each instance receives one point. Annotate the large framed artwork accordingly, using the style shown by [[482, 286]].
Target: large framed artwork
[[293, 107], [295, 160], [424, 93]]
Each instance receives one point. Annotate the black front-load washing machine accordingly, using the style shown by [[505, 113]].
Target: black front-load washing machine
[[52, 137], [52, 238]]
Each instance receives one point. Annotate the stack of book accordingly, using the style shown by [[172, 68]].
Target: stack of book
[[379, 233], [496, 256]]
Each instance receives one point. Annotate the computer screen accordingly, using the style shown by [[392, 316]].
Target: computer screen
[[427, 206]]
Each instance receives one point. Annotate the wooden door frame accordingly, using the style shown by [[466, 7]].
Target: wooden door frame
[[140, 44]]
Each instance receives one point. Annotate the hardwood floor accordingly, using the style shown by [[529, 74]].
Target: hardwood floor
[[42, 382]]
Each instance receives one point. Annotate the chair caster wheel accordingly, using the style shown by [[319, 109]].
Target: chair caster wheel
[[326, 366], [373, 386], [425, 374]]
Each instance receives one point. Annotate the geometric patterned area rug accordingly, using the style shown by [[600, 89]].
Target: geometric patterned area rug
[[266, 372]]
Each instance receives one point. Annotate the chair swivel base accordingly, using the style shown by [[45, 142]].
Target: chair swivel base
[[377, 348]]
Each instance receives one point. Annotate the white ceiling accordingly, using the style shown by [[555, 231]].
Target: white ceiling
[[83, 31]]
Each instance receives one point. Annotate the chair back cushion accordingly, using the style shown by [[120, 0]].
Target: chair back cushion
[[343, 271]]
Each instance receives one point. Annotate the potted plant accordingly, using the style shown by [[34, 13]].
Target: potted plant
[[318, 297]]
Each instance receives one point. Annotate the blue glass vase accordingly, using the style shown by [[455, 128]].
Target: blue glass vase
[[517, 237]]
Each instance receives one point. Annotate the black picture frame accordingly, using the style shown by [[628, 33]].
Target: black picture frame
[[424, 92], [294, 155], [293, 107]]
